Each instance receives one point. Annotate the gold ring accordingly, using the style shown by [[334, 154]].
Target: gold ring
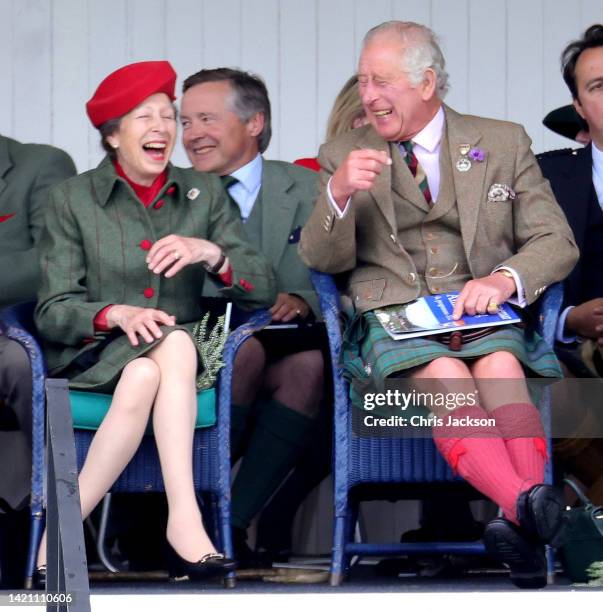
[[176, 255], [492, 305]]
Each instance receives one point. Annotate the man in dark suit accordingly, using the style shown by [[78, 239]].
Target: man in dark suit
[[27, 171], [278, 375], [576, 176]]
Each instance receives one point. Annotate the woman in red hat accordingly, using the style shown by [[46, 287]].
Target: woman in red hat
[[126, 250]]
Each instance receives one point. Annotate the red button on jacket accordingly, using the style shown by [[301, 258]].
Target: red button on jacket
[[149, 292], [145, 244]]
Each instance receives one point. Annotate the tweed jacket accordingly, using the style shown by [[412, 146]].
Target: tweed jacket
[[287, 198], [528, 233], [93, 252], [570, 174], [27, 171]]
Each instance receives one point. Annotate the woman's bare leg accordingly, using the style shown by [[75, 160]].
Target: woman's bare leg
[[118, 436], [174, 417]]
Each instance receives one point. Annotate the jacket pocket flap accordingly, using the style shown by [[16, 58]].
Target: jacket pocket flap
[[368, 290]]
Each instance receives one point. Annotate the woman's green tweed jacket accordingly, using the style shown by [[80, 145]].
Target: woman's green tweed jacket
[[93, 252]]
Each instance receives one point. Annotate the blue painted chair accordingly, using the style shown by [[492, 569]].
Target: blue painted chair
[[15, 321], [360, 461], [211, 446]]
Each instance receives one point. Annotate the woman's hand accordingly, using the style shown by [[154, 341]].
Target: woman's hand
[[287, 307], [482, 295], [136, 321], [173, 252]]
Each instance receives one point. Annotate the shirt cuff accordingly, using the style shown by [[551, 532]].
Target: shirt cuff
[[100, 320], [519, 298], [226, 277], [560, 335], [340, 213]]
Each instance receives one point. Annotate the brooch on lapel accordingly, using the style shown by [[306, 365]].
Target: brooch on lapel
[[294, 236], [467, 155], [500, 193], [192, 194]]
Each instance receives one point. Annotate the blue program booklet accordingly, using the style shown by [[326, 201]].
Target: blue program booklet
[[432, 314]]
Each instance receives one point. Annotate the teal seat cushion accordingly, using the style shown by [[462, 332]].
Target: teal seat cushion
[[88, 409]]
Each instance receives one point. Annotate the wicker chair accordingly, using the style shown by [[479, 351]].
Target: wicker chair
[[362, 462], [211, 446]]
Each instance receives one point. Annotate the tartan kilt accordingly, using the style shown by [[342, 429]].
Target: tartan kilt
[[369, 352]]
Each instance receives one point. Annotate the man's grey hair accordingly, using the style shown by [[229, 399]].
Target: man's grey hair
[[420, 51]]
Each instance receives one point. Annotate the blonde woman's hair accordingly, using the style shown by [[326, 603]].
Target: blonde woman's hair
[[346, 108]]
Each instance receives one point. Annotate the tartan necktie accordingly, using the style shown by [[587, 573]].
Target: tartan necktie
[[416, 170]]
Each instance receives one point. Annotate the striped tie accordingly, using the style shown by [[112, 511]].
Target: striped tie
[[416, 170]]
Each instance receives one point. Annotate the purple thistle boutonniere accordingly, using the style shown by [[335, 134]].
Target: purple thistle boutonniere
[[477, 154]]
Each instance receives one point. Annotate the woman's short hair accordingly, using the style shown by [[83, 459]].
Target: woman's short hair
[[108, 129], [346, 109], [250, 96], [420, 51]]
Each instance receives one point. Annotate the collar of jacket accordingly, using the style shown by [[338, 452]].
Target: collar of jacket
[[468, 186], [104, 179], [6, 162]]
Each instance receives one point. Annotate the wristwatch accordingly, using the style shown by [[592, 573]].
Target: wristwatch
[[215, 268]]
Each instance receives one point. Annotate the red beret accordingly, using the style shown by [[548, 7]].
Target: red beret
[[127, 87]]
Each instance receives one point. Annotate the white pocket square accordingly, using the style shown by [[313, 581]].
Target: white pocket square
[[500, 193]]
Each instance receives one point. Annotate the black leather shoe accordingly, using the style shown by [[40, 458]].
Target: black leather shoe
[[526, 560], [541, 514], [212, 564], [39, 578]]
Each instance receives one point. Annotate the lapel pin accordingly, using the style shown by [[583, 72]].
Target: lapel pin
[[192, 194], [463, 164]]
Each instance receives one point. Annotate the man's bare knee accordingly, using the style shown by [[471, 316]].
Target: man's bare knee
[[446, 368], [501, 364]]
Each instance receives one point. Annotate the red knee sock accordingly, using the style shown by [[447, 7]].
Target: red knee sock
[[477, 452], [522, 431]]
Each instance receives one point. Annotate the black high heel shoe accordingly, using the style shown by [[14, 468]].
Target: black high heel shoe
[[211, 564], [39, 578]]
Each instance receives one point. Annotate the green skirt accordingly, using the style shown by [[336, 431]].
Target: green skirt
[[371, 355]]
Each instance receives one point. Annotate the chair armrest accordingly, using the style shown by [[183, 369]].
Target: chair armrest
[[549, 308], [328, 296], [16, 322], [18, 315], [256, 321]]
